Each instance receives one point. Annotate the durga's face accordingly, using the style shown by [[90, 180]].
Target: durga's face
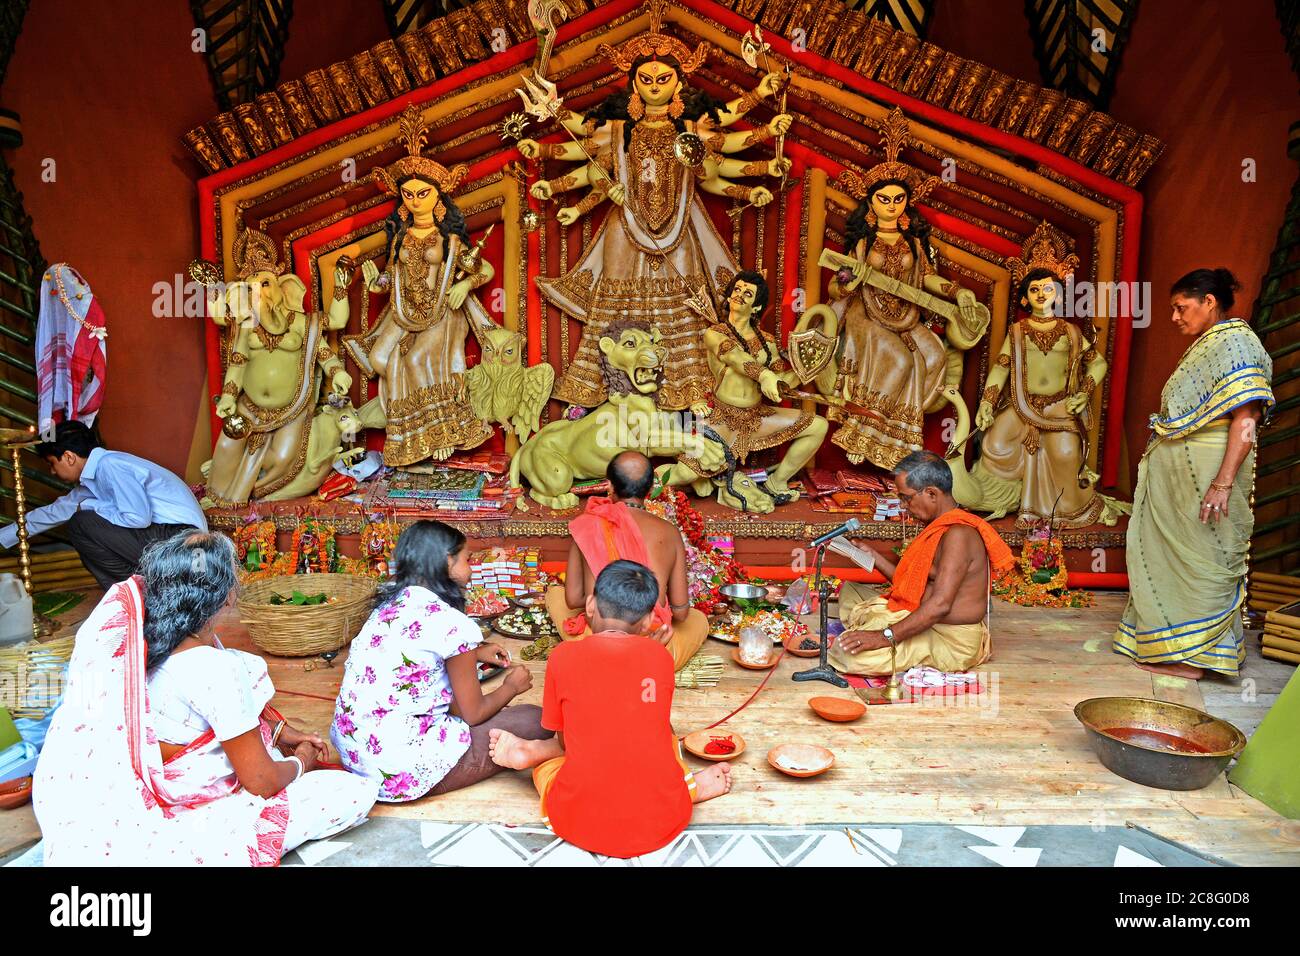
[[419, 197], [656, 83]]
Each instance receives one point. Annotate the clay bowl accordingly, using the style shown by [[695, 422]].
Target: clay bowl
[[696, 742], [1157, 743], [772, 658], [14, 793], [837, 709], [819, 759], [792, 643]]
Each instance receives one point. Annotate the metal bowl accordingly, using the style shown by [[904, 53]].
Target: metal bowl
[[743, 592], [1210, 743]]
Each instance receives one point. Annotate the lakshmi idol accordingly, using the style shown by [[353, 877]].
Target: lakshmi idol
[[417, 348]]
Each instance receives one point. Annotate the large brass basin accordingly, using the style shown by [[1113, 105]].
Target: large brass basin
[[1144, 760]]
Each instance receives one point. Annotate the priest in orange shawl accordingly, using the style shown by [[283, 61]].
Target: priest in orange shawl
[[620, 527], [935, 612]]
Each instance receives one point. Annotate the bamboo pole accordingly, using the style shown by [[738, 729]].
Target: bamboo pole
[[1281, 644], [1286, 580]]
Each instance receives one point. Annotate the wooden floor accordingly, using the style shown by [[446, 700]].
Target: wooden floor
[[1018, 758]]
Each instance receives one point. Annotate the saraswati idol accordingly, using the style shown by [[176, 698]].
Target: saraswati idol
[[887, 293], [651, 149], [417, 348]]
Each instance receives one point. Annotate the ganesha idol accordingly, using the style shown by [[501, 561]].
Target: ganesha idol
[[275, 443]]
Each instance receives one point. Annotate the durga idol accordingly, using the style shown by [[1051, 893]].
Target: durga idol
[[657, 257]]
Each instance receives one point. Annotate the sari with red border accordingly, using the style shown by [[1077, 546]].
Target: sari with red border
[[103, 793]]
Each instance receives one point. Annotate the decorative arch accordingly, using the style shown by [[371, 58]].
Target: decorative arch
[[1012, 155]]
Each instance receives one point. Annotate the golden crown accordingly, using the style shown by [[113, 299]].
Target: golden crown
[[894, 135], [413, 132], [1046, 249], [255, 252], [656, 43]]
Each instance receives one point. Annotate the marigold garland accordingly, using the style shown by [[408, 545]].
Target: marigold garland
[[255, 545], [323, 558]]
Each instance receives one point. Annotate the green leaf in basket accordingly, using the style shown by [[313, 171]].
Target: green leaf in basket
[[300, 599]]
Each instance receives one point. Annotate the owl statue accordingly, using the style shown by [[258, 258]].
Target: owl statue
[[502, 390]]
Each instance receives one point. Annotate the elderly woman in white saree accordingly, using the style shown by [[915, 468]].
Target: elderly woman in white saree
[[1190, 531], [165, 751]]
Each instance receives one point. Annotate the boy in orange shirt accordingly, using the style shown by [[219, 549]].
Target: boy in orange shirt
[[612, 780]]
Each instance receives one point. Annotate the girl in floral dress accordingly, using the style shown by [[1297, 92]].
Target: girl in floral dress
[[411, 712]]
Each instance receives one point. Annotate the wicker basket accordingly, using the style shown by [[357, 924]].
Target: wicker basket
[[32, 677], [306, 631]]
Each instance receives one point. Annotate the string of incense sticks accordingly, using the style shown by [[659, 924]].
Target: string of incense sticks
[[702, 670]]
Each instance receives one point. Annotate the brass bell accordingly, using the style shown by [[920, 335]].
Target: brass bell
[[236, 427]]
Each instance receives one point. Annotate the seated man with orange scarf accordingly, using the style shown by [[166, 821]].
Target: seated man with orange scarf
[[620, 527], [936, 610]]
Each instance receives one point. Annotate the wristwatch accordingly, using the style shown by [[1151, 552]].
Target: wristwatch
[[889, 634]]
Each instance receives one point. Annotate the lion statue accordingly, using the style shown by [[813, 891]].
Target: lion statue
[[565, 451]]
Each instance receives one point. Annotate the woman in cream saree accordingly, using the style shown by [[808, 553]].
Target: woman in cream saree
[[1190, 531]]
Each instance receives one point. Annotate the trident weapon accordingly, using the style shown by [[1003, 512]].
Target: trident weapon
[[546, 17], [753, 46]]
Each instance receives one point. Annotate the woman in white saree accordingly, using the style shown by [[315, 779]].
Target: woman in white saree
[[165, 751]]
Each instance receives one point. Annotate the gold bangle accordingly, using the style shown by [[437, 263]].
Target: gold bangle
[[1216, 486], [589, 202]]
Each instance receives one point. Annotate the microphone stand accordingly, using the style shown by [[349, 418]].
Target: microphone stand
[[823, 670]]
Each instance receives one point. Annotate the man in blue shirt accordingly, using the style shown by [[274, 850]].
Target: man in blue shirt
[[120, 506]]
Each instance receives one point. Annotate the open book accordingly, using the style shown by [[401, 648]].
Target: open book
[[862, 558]]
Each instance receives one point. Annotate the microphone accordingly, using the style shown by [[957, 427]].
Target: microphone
[[853, 524]]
